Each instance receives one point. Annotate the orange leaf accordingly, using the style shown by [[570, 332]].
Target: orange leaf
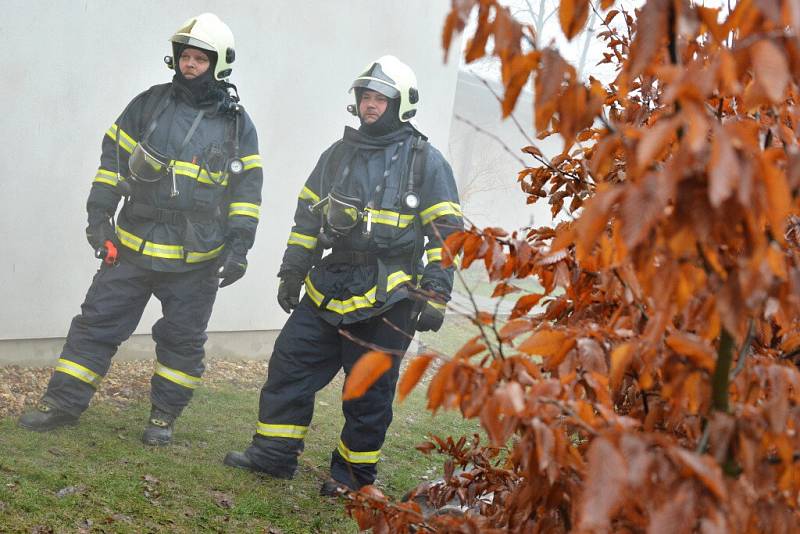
[[513, 328], [771, 69], [551, 344], [416, 368], [723, 168], [779, 198], [621, 357], [693, 347], [653, 142], [524, 305], [573, 15], [367, 370], [470, 349]]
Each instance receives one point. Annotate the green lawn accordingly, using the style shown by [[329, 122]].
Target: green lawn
[[97, 477]]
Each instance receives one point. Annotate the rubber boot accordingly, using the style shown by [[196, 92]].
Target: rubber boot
[[333, 488], [159, 428], [240, 460], [46, 417]]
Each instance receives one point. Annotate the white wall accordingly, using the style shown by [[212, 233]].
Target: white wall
[[70, 67]]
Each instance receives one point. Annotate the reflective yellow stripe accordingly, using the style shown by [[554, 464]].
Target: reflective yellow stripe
[[440, 210], [193, 171], [251, 162], [308, 194], [244, 208], [178, 377], [391, 218], [356, 302], [106, 177], [366, 457], [282, 431], [169, 252], [434, 254], [125, 141], [438, 306], [197, 257], [78, 371], [305, 241], [156, 250]]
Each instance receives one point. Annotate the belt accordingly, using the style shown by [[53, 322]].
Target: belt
[[176, 217], [352, 257]]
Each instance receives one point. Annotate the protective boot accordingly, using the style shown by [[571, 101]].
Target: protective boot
[[159, 428], [333, 488], [240, 460], [46, 417]]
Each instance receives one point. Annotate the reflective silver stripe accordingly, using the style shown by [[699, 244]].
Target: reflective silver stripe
[[197, 257], [178, 377], [282, 431], [367, 457], [251, 162], [440, 210], [356, 302], [434, 254], [126, 142], [305, 241], [84, 374], [308, 194], [244, 208], [106, 177]]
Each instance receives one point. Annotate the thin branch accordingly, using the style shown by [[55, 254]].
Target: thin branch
[[744, 349], [493, 136], [722, 371]]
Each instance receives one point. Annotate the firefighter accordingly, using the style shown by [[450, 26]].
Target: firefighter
[[184, 156], [380, 199]]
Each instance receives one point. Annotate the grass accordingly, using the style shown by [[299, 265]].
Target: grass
[[475, 280], [97, 477]]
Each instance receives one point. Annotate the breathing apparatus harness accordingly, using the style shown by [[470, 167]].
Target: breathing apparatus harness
[[340, 213]]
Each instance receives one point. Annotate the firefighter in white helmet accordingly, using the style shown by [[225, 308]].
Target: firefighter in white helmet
[[381, 199], [184, 157]]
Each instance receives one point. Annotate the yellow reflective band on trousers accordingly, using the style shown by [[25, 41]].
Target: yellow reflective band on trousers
[[167, 252], [251, 162], [104, 176], [178, 377], [244, 208], [305, 241], [356, 302], [308, 194], [391, 218], [126, 142], [440, 210], [78, 371], [281, 431], [366, 457]]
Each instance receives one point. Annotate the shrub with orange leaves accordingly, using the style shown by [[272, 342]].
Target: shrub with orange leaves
[[653, 384]]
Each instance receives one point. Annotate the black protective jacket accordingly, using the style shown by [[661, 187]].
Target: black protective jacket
[[164, 231], [376, 171]]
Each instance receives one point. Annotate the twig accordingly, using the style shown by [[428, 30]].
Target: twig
[[493, 136], [722, 371], [745, 348]]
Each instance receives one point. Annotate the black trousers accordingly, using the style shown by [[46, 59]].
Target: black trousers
[[307, 355], [109, 315]]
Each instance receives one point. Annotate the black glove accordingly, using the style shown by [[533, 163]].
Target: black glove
[[97, 234], [232, 267], [431, 318], [289, 291]]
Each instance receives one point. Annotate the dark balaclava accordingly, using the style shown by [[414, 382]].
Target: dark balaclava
[[387, 123], [200, 88]]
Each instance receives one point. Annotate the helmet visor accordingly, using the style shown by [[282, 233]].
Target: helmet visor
[[192, 41], [376, 85]]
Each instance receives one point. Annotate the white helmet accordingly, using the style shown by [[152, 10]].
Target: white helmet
[[392, 78], [207, 32]]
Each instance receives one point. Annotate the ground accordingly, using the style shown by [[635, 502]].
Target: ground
[[97, 477]]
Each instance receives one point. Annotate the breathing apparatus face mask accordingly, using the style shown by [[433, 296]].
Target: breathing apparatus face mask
[[147, 165], [342, 213]]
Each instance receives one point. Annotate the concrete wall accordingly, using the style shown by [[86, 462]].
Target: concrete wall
[[486, 171], [69, 67]]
